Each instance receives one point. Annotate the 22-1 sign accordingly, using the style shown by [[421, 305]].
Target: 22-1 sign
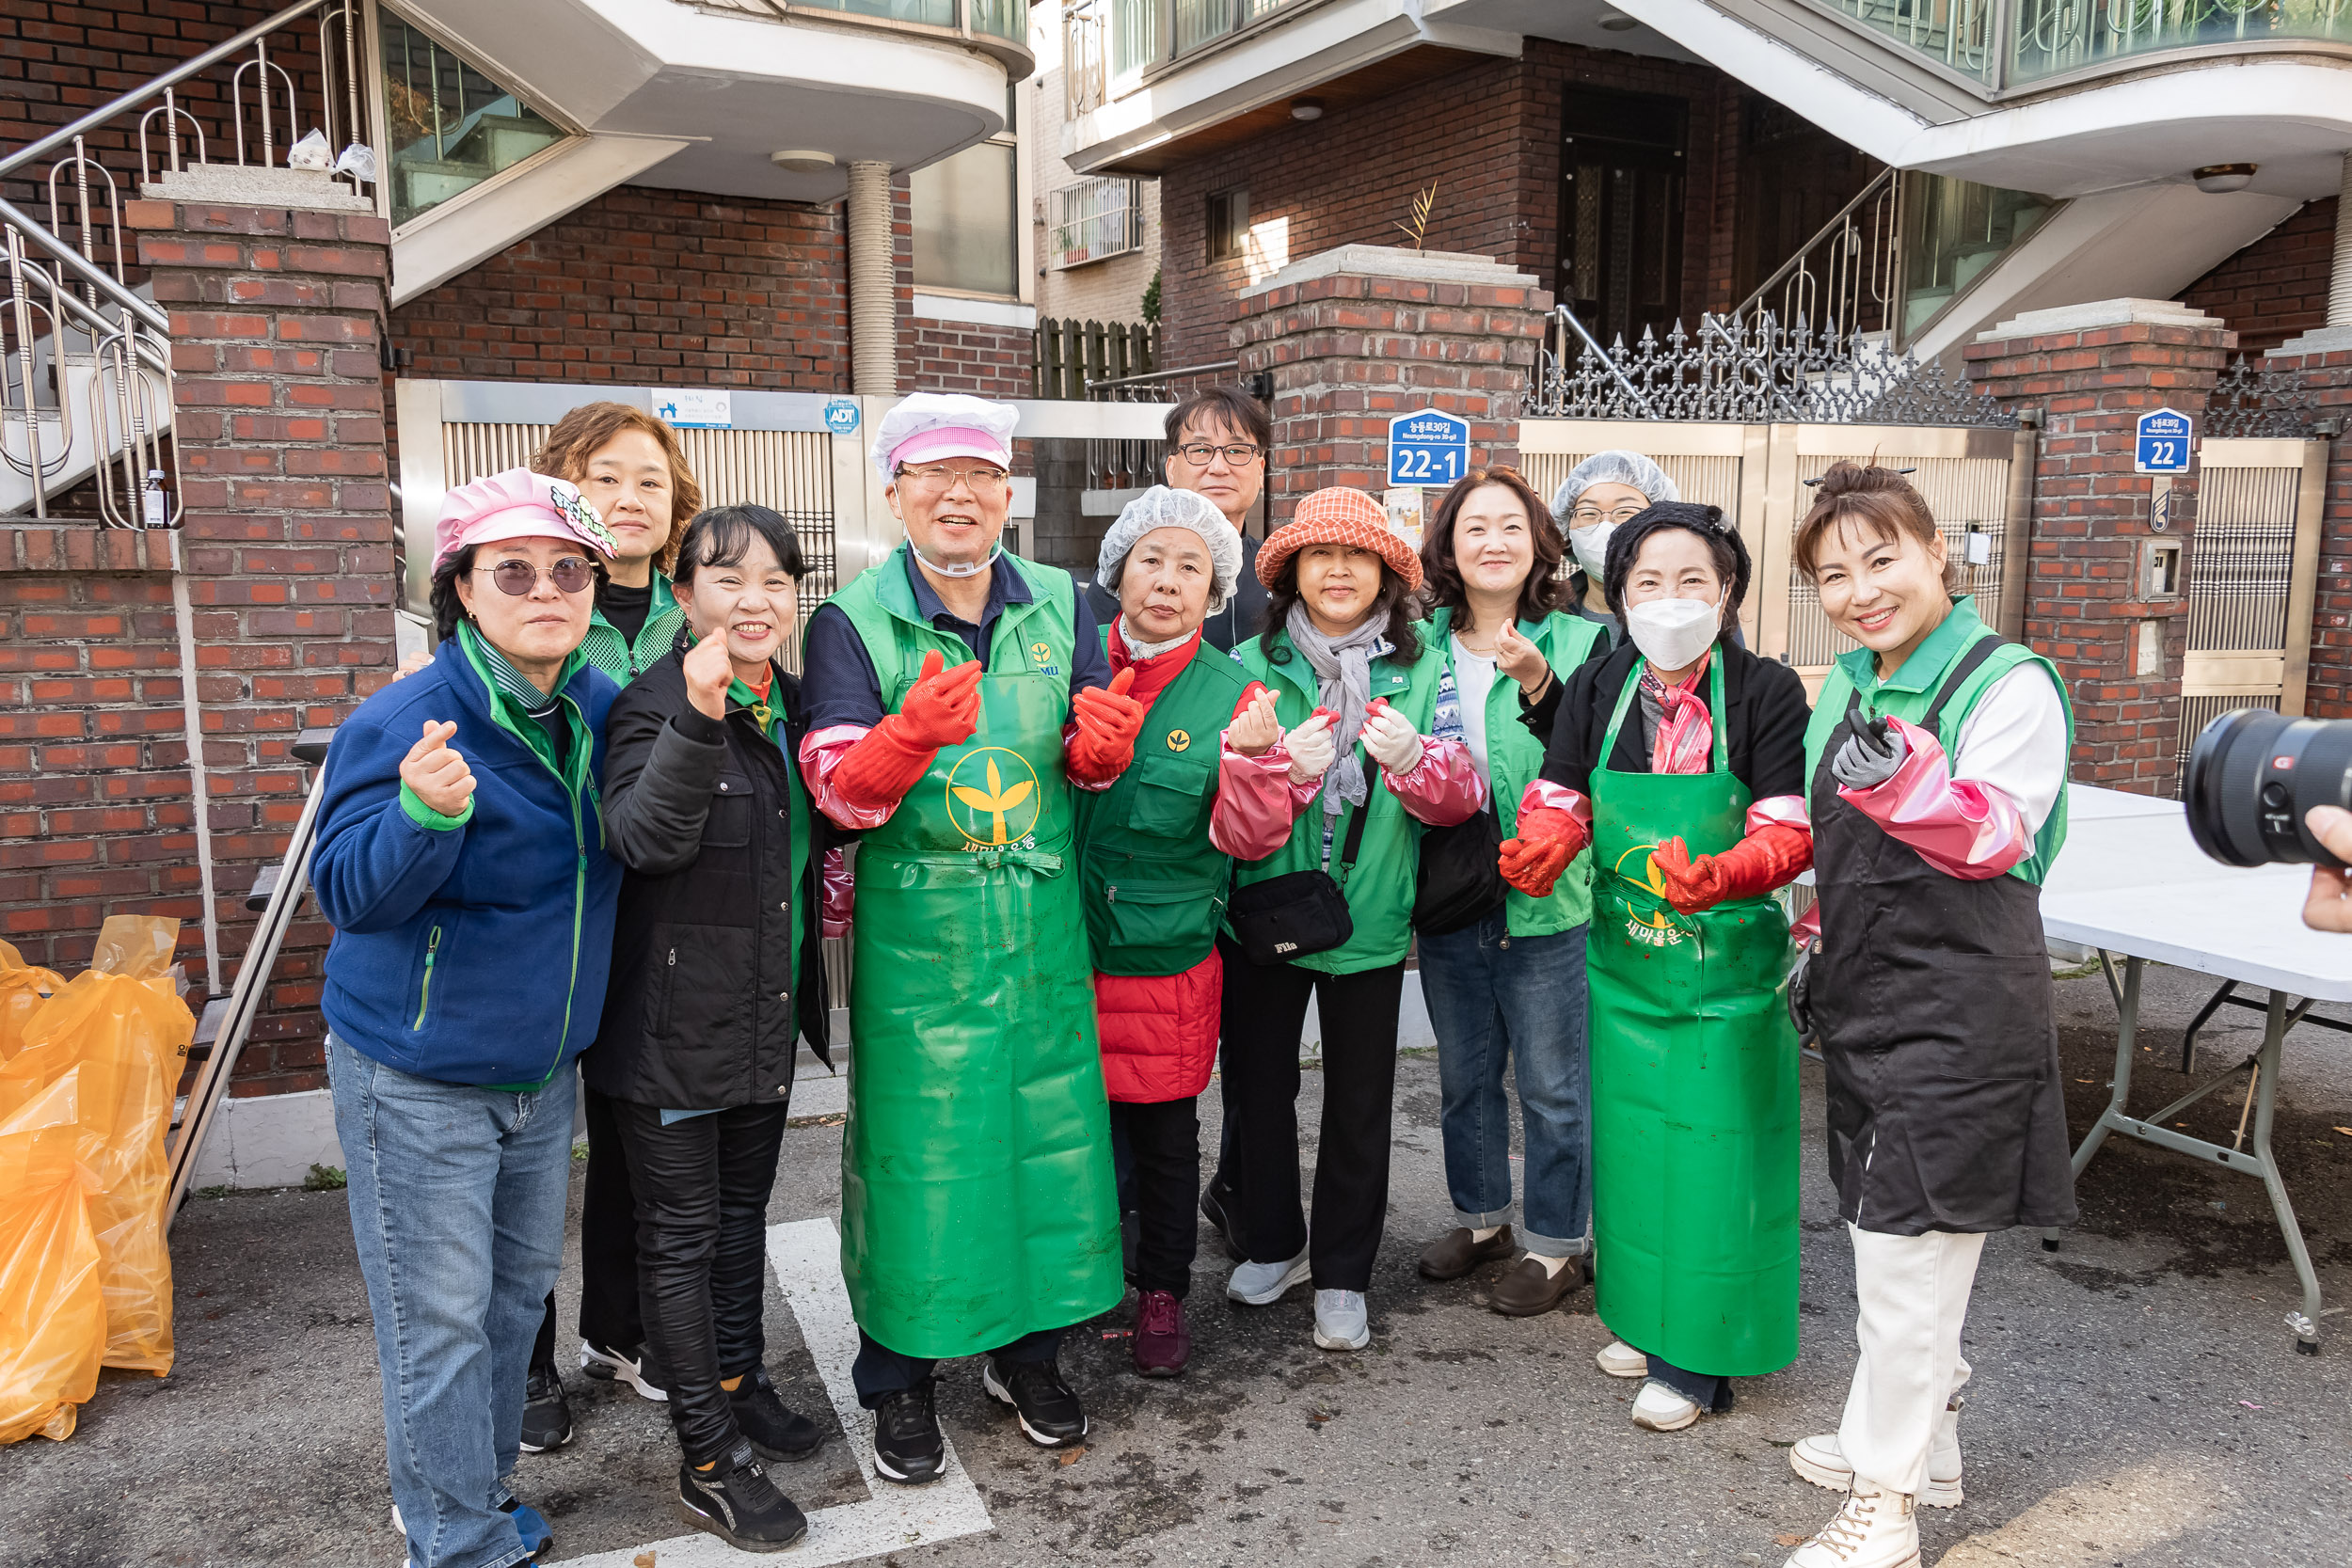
[[1427, 446]]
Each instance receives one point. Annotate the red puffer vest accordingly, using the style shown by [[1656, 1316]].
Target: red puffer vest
[[1159, 1031]]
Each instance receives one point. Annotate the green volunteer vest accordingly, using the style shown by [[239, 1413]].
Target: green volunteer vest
[[977, 1203], [1907, 692], [1379, 888], [1514, 758], [1154, 884]]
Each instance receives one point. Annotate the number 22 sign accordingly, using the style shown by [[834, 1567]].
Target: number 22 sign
[[2162, 442]]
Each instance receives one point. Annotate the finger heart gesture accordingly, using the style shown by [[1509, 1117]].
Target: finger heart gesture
[[434, 773]]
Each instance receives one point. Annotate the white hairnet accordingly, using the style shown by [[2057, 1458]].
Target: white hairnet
[[931, 425], [1615, 467], [1161, 507]]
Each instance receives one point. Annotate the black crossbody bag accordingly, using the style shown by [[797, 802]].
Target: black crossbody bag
[[1300, 912], [1461, 874]]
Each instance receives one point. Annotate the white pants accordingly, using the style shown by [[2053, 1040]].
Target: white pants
[[1913, 1293]]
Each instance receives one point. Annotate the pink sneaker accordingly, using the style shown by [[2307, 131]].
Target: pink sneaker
[[1163, 1344]]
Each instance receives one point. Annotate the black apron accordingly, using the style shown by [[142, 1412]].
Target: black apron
[[1937, 1022]]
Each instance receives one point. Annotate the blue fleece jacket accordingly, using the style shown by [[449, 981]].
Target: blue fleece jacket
[[471, 950]]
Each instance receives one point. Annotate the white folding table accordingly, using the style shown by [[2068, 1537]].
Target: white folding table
[[2133, 884]]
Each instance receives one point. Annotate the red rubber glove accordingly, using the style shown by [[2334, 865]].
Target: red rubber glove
[[941, 709], [1548, 840], [1107, 723], [1768, 858]]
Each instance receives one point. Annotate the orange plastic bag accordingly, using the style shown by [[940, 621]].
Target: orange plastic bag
[[53, 1313], [123, 1034], [22, 989]]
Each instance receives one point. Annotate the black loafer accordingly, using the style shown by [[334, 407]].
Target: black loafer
[[1454, 1254], [1525, 1291], [776, 1430], [1050, 1414], [908, 1448], [1217, 1206]]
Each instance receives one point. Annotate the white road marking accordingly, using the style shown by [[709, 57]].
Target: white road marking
[[806, 1255]]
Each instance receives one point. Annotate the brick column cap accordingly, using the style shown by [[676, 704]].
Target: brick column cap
[[2092, 315], [1387, 261], [2319, 341]]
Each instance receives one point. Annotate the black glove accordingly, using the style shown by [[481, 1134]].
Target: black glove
[[1801, 992], [1870, 755]]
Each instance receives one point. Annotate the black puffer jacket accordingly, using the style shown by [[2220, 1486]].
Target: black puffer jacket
[[703, 1009]]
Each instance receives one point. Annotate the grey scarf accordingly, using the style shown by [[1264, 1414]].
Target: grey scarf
[[1343, 668]]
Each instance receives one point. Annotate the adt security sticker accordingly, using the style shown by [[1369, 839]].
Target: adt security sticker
[[841, 416], [2163, 442]]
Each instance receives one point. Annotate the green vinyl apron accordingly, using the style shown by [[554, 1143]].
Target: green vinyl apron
[[977, 1200], [1695, 1080]]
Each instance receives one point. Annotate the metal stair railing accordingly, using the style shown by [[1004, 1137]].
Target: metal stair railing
[[1850, 270], [72, 329]]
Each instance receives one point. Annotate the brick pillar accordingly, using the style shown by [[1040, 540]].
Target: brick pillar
[[1363, 332], [2092, 369], [2325, 361], [286, 537]]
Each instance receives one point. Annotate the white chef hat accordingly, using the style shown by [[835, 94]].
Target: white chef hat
[[1615, 467], [925, 427], [1161, 507]]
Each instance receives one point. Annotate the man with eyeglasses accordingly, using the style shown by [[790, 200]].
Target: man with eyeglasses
[[955, 694], [1217, 442]]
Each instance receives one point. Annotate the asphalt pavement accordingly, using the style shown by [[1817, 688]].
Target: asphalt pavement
[[2136, 1398]]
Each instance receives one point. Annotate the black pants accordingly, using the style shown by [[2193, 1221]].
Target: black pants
[[880, 1371], [701, 1233], [1265, 1012], [1163, 1143], [608, 1314]]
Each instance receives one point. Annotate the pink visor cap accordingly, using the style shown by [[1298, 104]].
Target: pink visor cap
[[925, 427], [517, 504]]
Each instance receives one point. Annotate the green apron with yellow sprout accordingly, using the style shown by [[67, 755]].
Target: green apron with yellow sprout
[[1695, 1082], [977, 1202]]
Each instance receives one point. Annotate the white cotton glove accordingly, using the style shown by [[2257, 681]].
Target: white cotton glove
[[1311, 749], [1390, 740]]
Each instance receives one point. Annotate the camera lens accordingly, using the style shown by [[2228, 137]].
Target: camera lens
[[2253, 777]]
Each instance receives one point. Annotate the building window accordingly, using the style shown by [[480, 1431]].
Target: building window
[[1229, 223], [1095, 219], [966, 211], [451, 127]]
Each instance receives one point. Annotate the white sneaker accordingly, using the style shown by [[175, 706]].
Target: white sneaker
[[1622, 1360], [1262, 1284], [613, 1366], [1339, 1320], [1659, 1408], [1875, 1530], [1820, 1461]]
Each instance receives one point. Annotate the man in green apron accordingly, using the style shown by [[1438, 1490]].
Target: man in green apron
[[1678, 758], [956, 695]]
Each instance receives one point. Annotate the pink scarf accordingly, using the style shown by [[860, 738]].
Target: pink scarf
[[1686, 731]]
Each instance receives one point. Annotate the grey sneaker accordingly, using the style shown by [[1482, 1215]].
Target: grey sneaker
[[1339, 1320], [1262, 1284]]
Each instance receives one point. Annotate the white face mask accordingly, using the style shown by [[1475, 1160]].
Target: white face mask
[[1673, 633], [964, 569], [1591, 545]]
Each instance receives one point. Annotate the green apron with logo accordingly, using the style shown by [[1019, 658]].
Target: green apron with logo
[[1695, 1080], [1154, 884], [976, 1196]]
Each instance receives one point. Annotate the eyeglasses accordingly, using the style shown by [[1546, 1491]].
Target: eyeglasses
[[1592, 516], [518, 577], [939, 476], [1198, 453]]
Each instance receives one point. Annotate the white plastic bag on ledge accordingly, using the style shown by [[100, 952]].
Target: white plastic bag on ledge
[[311, 152], [358, 161]]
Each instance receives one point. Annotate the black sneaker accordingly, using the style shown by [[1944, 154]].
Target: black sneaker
[[1050, 1414], [1130, 1243], [547, 1418], [736, 1501], [774, 1428], [634, 1367], [908, 1448], [1216, 1205]]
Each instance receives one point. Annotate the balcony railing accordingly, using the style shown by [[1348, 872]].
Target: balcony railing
[[1114, 42], [1095, 219], [2011, 43]]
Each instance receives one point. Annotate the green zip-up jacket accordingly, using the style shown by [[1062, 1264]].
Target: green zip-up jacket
[[607, 649]]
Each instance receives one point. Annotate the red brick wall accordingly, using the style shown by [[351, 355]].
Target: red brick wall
[[644, 286], [964, 357], [1487, 135], [2277, 287]]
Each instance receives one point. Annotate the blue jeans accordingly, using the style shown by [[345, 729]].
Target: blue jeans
[[1498, 1001], [457, 1207]]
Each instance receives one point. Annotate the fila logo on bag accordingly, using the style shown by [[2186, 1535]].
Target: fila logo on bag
[[1286, 947], [1657, 930]]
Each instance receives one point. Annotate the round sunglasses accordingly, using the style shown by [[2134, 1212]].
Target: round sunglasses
[[572, 574]]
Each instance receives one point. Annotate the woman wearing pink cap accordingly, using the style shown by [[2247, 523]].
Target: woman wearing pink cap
[[1342, 657], [461, 861]]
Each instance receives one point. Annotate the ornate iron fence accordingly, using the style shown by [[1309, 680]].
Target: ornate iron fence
[[1744, 370], [2253, 398]]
